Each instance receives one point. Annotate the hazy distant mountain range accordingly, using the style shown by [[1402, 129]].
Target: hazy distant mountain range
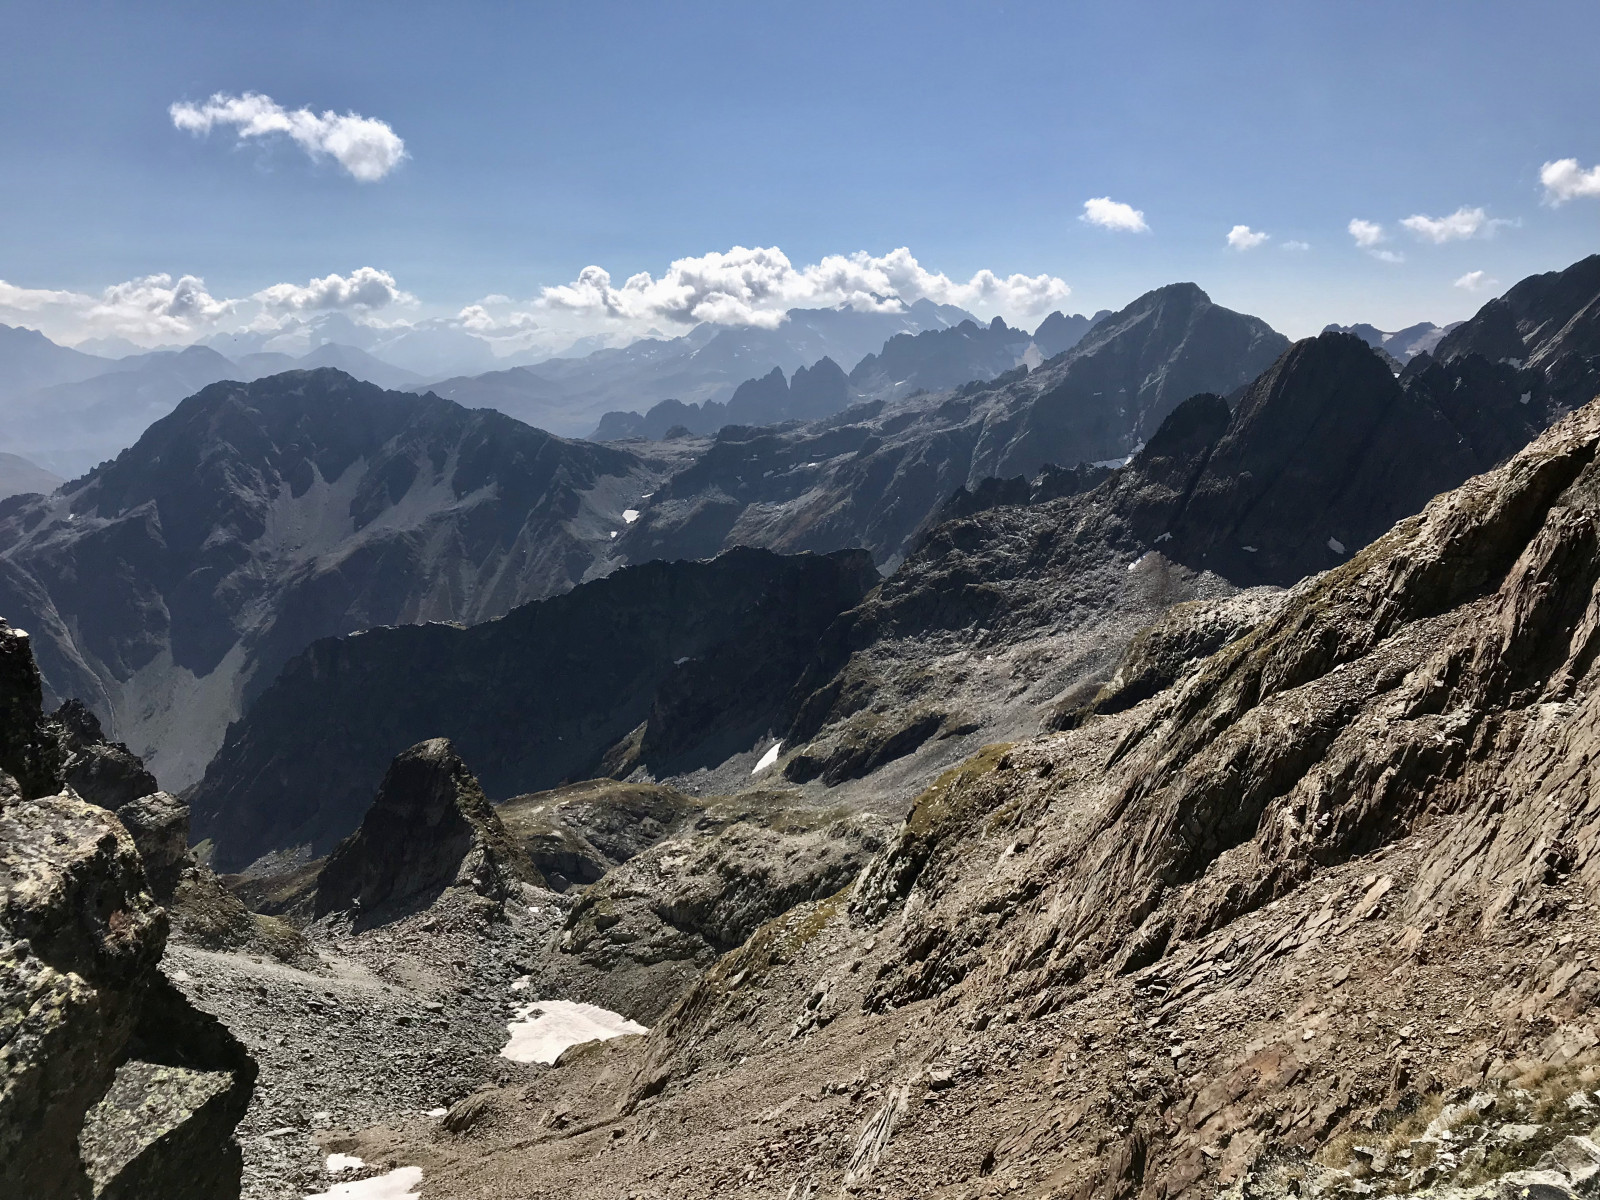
[[927, 361], [1403, 344]]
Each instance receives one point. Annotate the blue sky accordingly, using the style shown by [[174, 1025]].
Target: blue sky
[[543, 138]]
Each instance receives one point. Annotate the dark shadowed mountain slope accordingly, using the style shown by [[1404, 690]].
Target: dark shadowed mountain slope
[[871, 475], [1550, 323], [666, 665], [1323, 453], [165, 586]]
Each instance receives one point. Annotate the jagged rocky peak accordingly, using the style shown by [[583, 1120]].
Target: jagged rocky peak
[[1548, 322], [429, 828]]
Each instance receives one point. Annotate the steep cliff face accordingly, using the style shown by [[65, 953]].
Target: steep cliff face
[[666, 665], [872, 475], [168, 586], [1315, 919]]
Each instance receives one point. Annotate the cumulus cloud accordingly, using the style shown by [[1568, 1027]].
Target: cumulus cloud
[[757, 286], [367, 148], [1475, 281], [1242, 237], [476, 318], [1296, 245], [1565, 180], [1112, 214], [1366, 233], [364, 288], [1388, 256], [152, 307], [1458, 226]]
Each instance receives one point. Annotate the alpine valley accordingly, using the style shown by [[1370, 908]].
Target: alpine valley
[[885, 754]]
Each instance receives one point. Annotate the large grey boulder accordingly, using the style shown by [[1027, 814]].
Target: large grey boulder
[[90, 1029]]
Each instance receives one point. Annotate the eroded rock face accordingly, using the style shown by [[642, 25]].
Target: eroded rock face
[[89, 1027], [87, 1021], [1315, 919], [636, 939], [429, 828], [102, 772], [1322, 454]]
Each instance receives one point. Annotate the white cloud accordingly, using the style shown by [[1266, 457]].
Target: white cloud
[[1242, 237], [151, 308], [1388, 256], [1475, 281], [1458, 226], [477, 319], [1366, 233], [1112, 214], [757, 286], [1565, 180], [1295, 245], [365, 147], [32, 300], [364, 288]]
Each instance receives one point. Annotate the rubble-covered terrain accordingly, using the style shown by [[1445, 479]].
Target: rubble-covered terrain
[[1316, 918]]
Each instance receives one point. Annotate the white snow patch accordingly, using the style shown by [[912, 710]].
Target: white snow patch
[[343, 1162], [1165, 537], [436, 1113], [630, 515], [767, 759], [678, 662], [543, 1029], [613, 533], [1137, 561], [521, 985], [1336, 545], [400, 1184], [1248, 549], [1526, 396]]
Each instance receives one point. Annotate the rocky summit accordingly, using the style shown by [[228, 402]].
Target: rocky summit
[[168, 586]]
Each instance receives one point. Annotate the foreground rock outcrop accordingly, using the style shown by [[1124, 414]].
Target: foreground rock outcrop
[[1314, 919], [111, 1084]]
